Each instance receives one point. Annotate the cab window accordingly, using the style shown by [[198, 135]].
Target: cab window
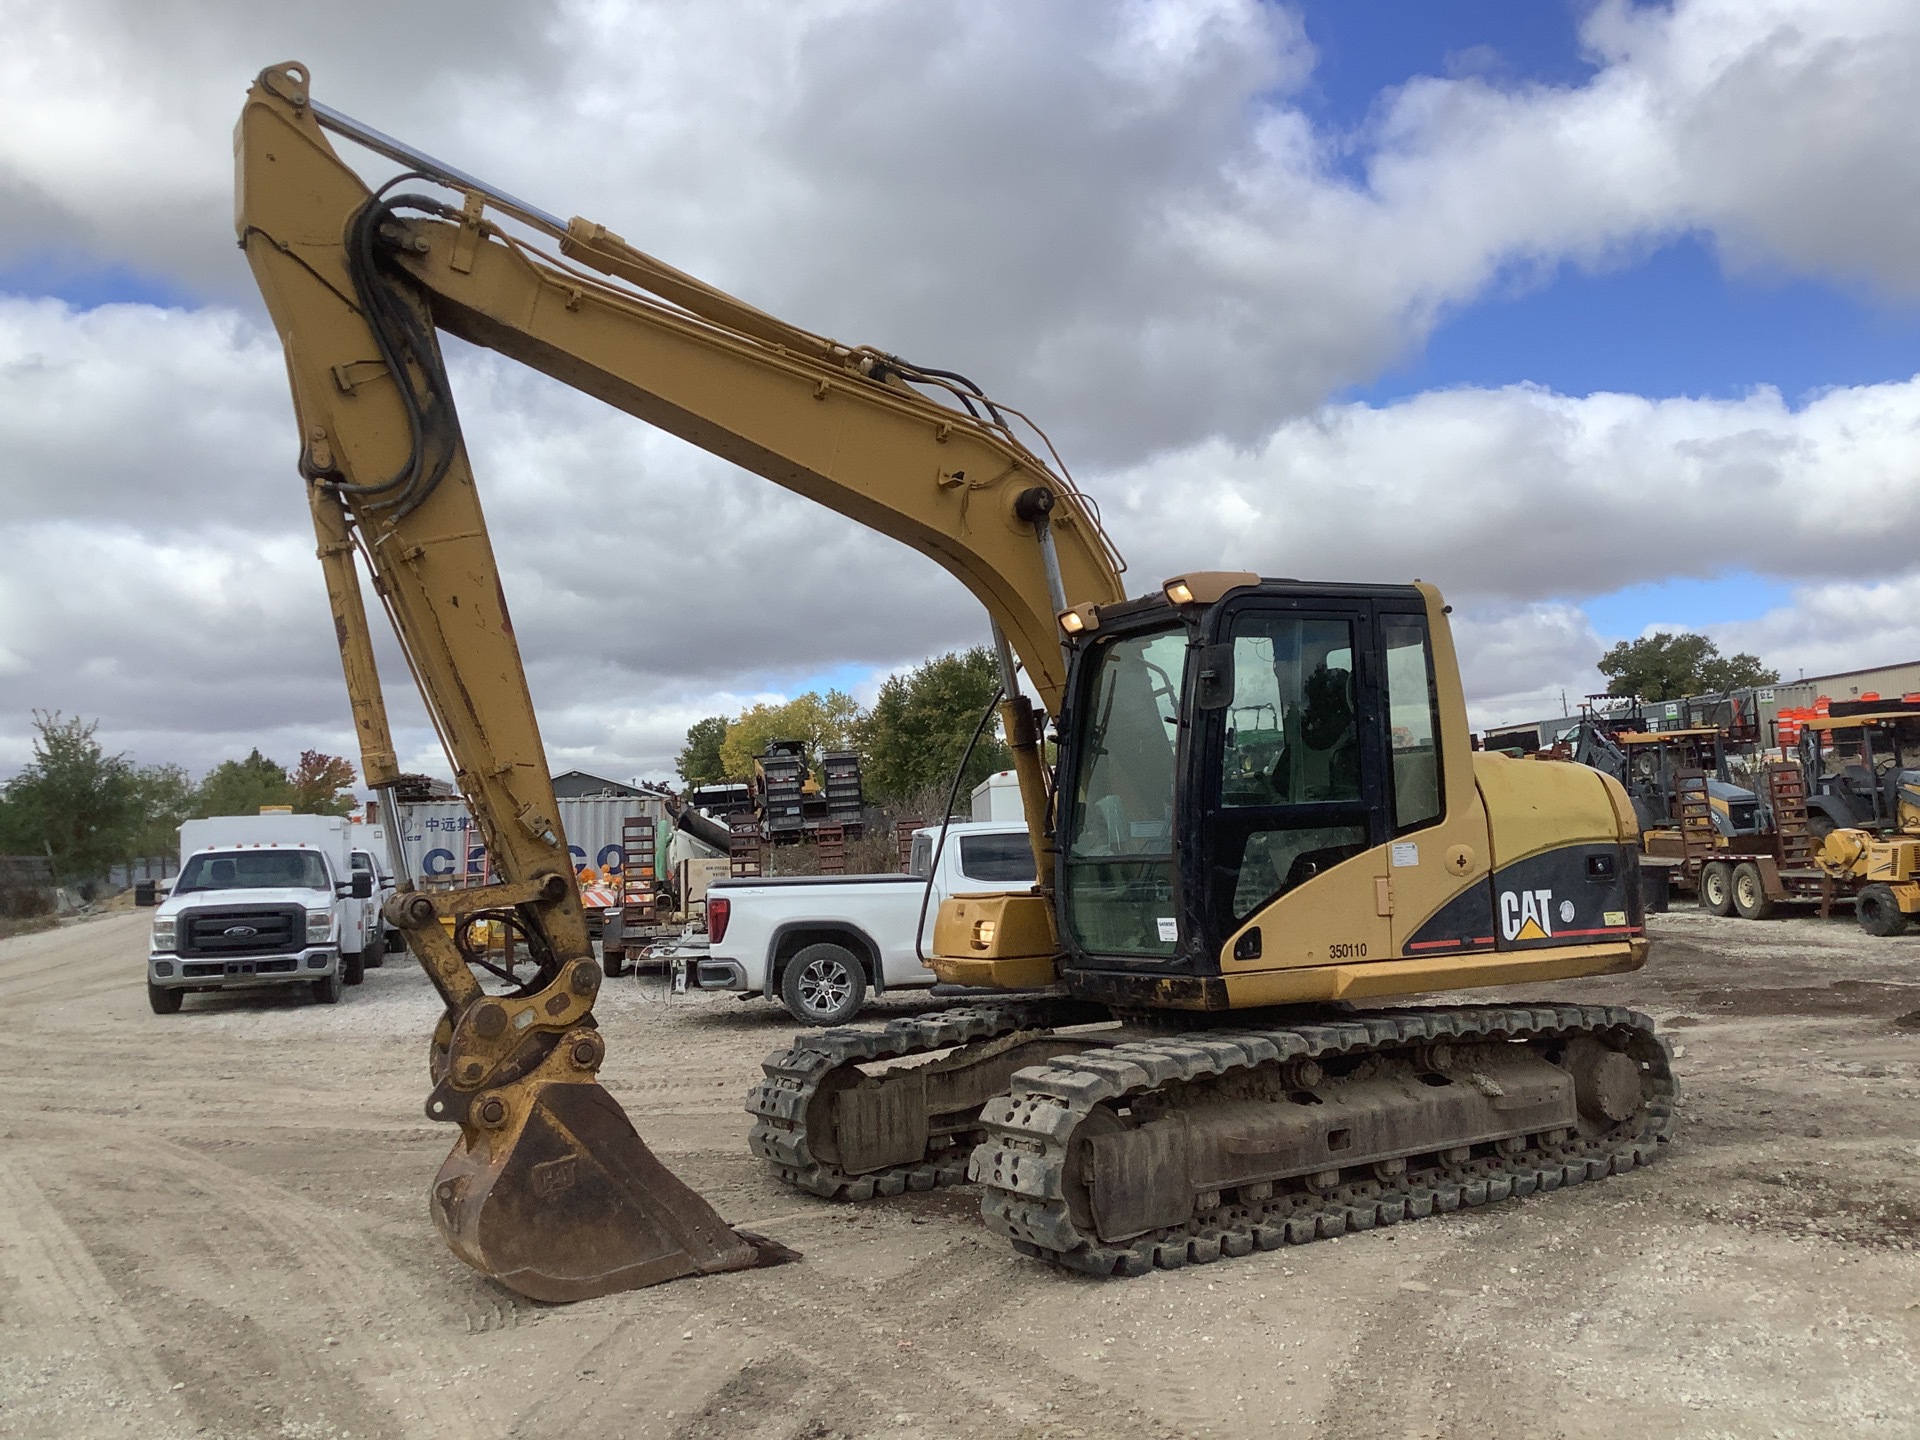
[[1413, 719], [1118, 867], [1290, 765], [1293, 733]]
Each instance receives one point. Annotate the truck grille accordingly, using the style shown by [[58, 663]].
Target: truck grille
[[242, 930]]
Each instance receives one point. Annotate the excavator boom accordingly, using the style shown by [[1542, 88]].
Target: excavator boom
[[549, 1189]]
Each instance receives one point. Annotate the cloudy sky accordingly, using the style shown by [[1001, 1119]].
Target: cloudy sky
[[1603, 316]]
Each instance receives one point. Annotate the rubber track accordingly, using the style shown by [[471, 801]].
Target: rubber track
[[792, 1077], [1022, 1162]]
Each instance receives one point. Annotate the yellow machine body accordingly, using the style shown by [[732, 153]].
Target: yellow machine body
[[1514, 872]]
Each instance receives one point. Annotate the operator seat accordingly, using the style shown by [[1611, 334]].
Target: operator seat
[[1331, 738]]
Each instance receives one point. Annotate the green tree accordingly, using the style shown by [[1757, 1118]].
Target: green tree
[[322, 784], [72, 801], [913, 736], [823, 722], [166, 796], [1666, 666], [241, 787], [700, 762]]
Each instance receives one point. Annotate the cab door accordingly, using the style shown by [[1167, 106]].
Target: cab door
[[1439, 859], [1297, 814]]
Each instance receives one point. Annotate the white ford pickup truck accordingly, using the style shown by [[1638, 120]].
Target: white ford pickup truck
[[269, 899], [821, 944]]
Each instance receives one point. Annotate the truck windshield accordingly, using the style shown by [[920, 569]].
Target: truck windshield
[[253, 870], [1118, 871]]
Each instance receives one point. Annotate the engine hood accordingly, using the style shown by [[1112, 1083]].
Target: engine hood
[[220, 899]]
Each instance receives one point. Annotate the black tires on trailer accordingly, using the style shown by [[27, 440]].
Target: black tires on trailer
[[326, 990], [1716, 887], [1879, 911], [613, 963], [823, 984], [164, 1001], [1750, 898]]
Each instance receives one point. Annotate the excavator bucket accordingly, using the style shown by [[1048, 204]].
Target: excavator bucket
[[562, 1200]]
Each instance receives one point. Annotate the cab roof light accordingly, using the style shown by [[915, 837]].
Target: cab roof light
[[1203, 587], [1080, 619]]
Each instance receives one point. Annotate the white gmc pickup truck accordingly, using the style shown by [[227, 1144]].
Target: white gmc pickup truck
[[820, 944]]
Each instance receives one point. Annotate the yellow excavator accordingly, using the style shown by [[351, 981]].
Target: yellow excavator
[[1263, 806]]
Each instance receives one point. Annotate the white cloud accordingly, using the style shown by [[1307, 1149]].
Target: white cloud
[[138, 416], [1520, 494], [1834, 627], [164, 577], [162, 573], [1114, 214], [1527, 661]]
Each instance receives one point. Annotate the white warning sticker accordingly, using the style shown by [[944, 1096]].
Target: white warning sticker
[[1405, 853], [1169, 931]]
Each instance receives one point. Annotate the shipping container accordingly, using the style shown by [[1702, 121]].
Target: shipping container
[[442, 847]]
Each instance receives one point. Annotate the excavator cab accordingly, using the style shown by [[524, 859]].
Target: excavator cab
[[1344, 843], [1178, 822]]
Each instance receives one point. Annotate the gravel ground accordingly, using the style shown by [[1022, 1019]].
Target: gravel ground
[[215, 1224]]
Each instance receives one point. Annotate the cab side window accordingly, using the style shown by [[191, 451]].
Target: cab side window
[[1413, 717]]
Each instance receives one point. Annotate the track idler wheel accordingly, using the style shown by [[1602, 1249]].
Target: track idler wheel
[[551, 1191]]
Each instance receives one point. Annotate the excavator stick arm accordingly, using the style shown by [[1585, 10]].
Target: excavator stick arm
[[548, 1187]]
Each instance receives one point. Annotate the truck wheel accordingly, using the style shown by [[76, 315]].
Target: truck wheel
[[353, 968], [823, 985], [613, 962], [326, 991], [1716, 888], [1879, 911], [375, 955], [1750, 899], [164, 1001]]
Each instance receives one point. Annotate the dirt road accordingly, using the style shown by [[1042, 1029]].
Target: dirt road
[[215, 1224]]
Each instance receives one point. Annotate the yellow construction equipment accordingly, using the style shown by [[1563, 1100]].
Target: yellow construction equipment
[[1264, 803], [1882, 867]]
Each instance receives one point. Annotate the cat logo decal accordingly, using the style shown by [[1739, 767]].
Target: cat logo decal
[[1526, 914]]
